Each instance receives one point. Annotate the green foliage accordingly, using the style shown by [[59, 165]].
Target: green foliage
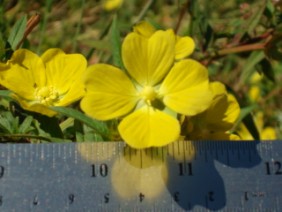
[[99, 127], [10, 124], [17, 33], [116, 44], [249, 68]]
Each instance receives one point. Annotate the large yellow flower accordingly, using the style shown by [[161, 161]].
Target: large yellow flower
[[218, 119], [54, 79], [150, 94]]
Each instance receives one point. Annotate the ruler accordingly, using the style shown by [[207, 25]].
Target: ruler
[[110, 176]]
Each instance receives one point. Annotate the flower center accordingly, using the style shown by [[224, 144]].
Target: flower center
[[47, 95], [148, 94]]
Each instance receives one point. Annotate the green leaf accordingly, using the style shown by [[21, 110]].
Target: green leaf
[[98, 126], [49, 125], [66, 124], [25, 127], [5, 94], [244, 112], [249, 68], [246, 117], [116, 44], [5, 125], [17, 32], [270, 9], [255, 19]]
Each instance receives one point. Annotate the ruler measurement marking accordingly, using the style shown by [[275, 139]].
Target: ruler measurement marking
[[240, 150]]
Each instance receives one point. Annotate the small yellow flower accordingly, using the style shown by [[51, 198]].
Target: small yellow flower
[[255, 91], [184, 46], [54, 79], [110, 5], [150, 94], [218, 119]]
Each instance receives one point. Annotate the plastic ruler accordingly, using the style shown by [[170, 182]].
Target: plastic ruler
[[110, 176]]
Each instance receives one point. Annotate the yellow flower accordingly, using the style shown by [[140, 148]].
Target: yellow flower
[[150, 93], [218, 119], [111, 4], [54, 79], [255, 91], [184, 46]]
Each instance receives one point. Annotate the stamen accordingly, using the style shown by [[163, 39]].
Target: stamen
[[148, 94], [47, 95]]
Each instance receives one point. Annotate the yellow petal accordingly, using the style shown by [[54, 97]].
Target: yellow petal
[[64, 71], [218, 88], [244, 133], [144, 28], [25, 73], [149, 127], [233, 111], [75, 93], [109, 93], [184, 47], [148, 60], [186, 88], [223, 111]]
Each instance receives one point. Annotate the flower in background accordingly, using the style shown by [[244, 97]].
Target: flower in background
[[151, 93], [217, 120], [265, 132], [54, 79], [184, 46], [110, 5], [255, 91]]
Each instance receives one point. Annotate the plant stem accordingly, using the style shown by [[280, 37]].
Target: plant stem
[[31, 23], [181, 15], [243, 48], [238, 49]]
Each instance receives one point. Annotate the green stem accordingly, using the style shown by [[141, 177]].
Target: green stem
[[181, 16]]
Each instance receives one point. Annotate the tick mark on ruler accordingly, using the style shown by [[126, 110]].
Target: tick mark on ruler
[[141, 197]]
